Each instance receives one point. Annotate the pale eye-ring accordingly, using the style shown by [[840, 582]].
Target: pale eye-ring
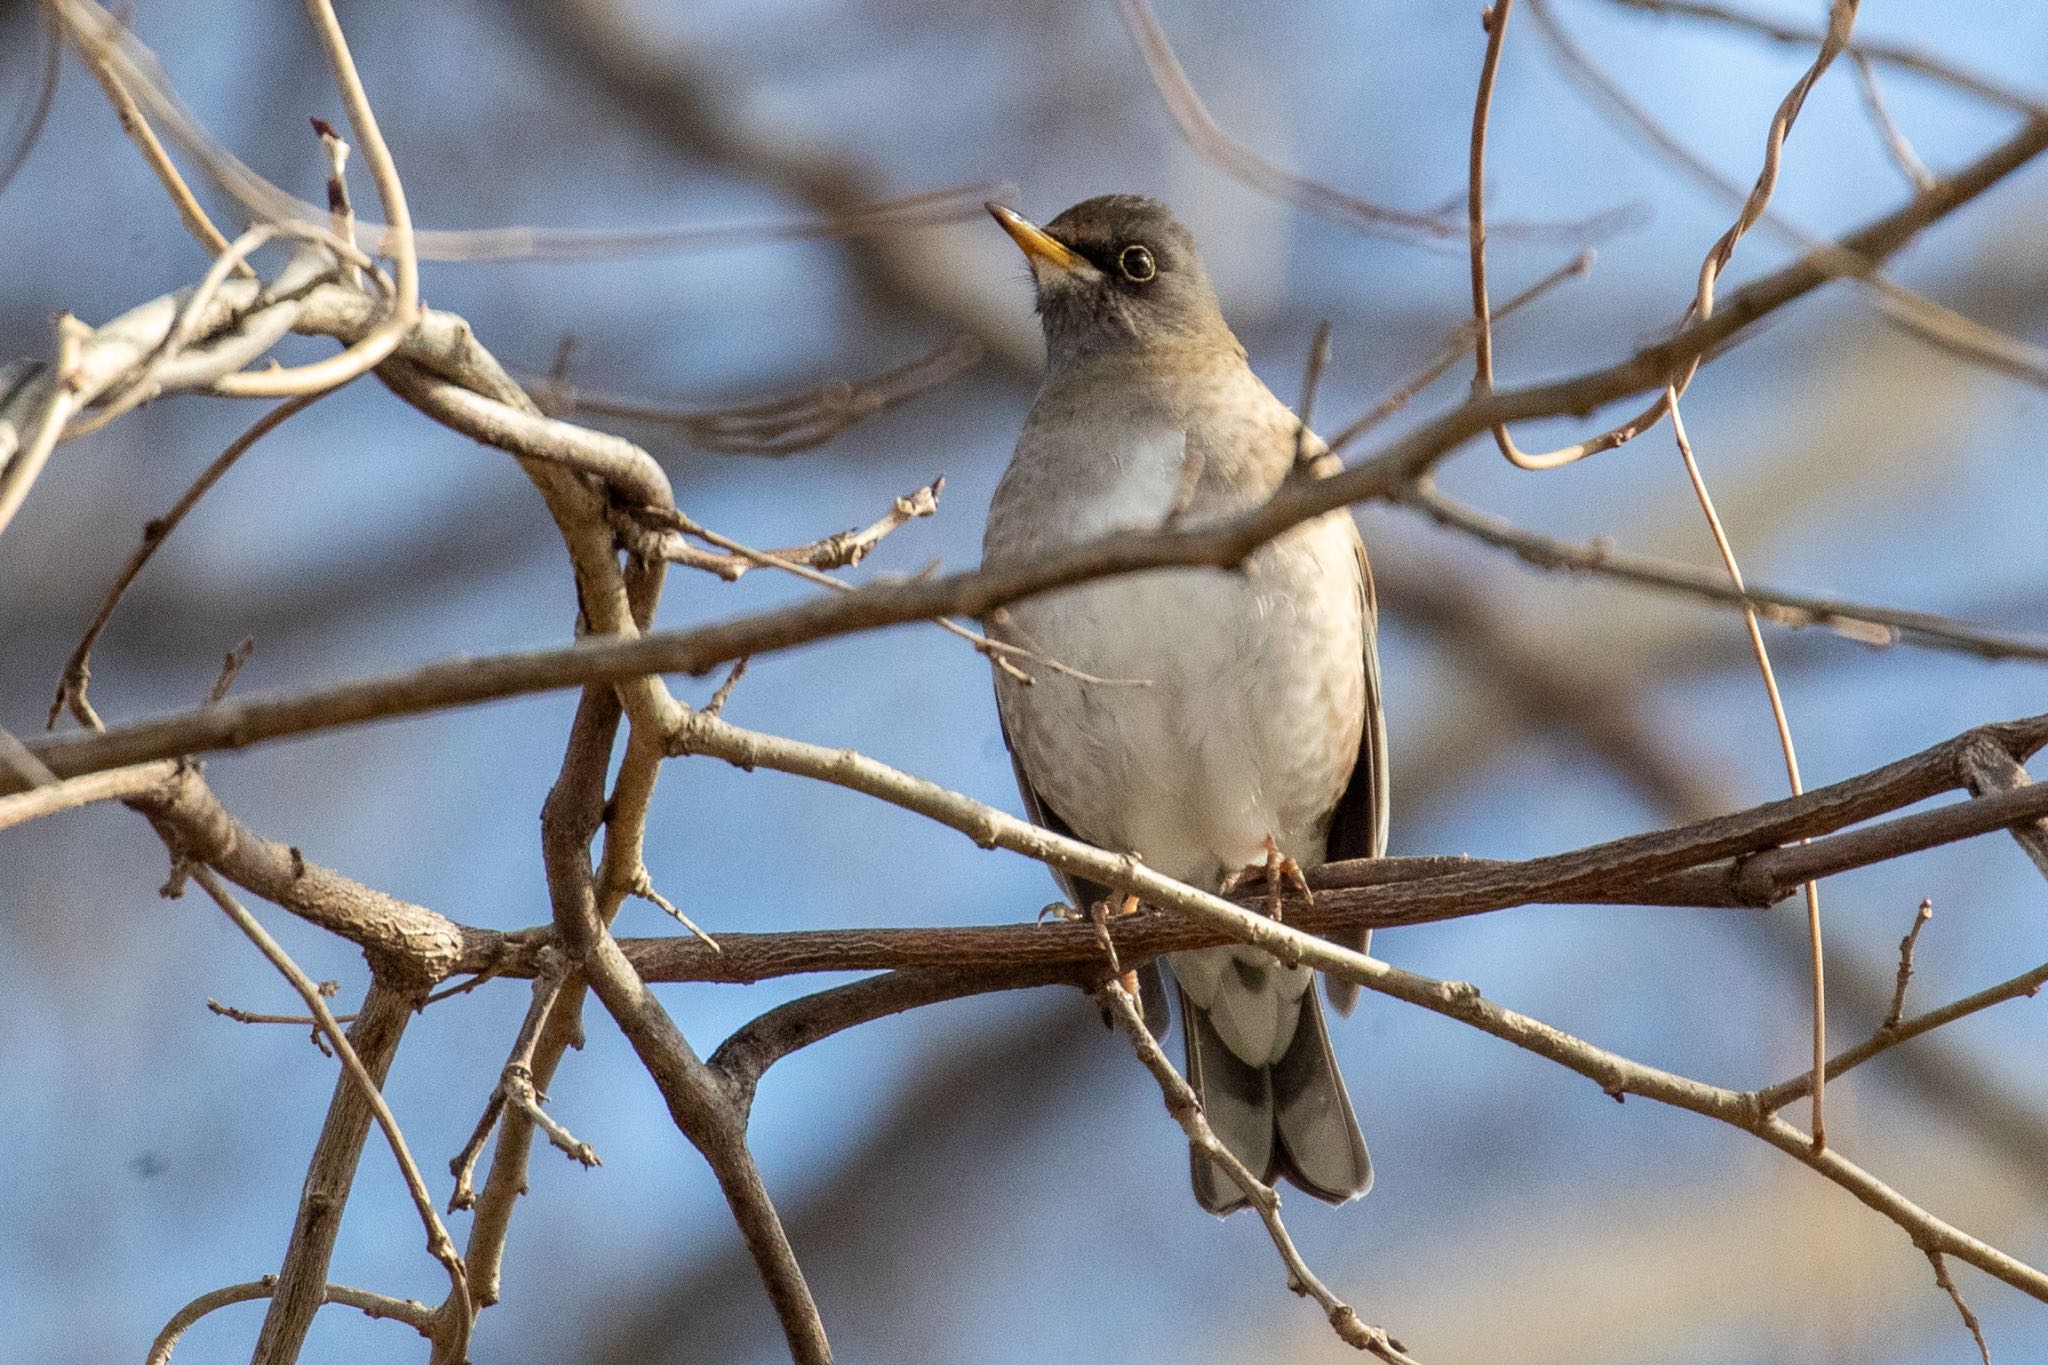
[[1136, 263]]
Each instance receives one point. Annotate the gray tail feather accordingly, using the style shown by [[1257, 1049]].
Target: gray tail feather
[[1152, 999], [1344, 994], [1320, 1147], [1237, 1099], [1292, 1119]]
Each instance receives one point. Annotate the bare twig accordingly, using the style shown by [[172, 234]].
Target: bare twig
[[20, 468], [1215, 145], [1786, 747], [1004, 654], [230, 668], [1893, 1015], [71, 688], [716, 706], [2025, 985], [1186, 1108], [1917, 315], [839, 551], [643, 887], [1947, 1285], [784, 426], [1890, 54], [341, 211], [516, 1089], [365, 354], [411, 1312], [94, 48], [1842, 15], [115, 784], [1456, 347], [1867, 623], [438, 1243], [1902, 154]]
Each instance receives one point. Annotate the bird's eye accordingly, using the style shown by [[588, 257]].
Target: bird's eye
[[1136, 263]]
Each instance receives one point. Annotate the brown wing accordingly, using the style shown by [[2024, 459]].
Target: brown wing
[[1358, 826], [1081, 893]]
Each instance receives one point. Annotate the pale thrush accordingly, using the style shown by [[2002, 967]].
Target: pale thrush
[[1237, 720]]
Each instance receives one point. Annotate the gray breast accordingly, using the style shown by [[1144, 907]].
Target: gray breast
[[1230, 703]]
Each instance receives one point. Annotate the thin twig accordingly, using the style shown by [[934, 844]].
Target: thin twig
[[20, 470], [363, 355], [1891, 54], [1785, 746], [516, 1088], [1864, 622], [1902, 154], [716, 706], [1003, 654], [1456, 346], [778, 427], [438, 1243], [1947, 1285], [1218, 147], [411, 1312], [1186, 1108], [94, 49], [2024, 986], [643, 887], [48, 798], [77, 676], [1842, 15], [341, 211], [1918, 316], [840, 551], [1897, 1010]]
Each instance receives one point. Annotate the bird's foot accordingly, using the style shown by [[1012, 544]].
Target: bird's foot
[[1279, 871], [1100, 914]]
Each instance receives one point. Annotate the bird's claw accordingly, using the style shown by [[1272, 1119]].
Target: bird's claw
[[1099, 914], [1278, 870]]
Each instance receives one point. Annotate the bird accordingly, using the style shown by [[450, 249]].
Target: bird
[[1209, 721]]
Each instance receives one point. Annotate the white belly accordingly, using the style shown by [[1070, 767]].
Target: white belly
[[1245, 727]]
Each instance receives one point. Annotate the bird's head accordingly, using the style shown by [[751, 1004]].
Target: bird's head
[[1117, 272]]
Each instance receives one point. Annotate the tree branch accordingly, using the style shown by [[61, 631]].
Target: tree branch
[[1864, 622]]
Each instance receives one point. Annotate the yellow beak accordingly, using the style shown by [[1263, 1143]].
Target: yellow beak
[[1038, 248]]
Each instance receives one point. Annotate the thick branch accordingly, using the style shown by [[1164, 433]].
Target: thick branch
[[301, 1285], [407, 942]]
